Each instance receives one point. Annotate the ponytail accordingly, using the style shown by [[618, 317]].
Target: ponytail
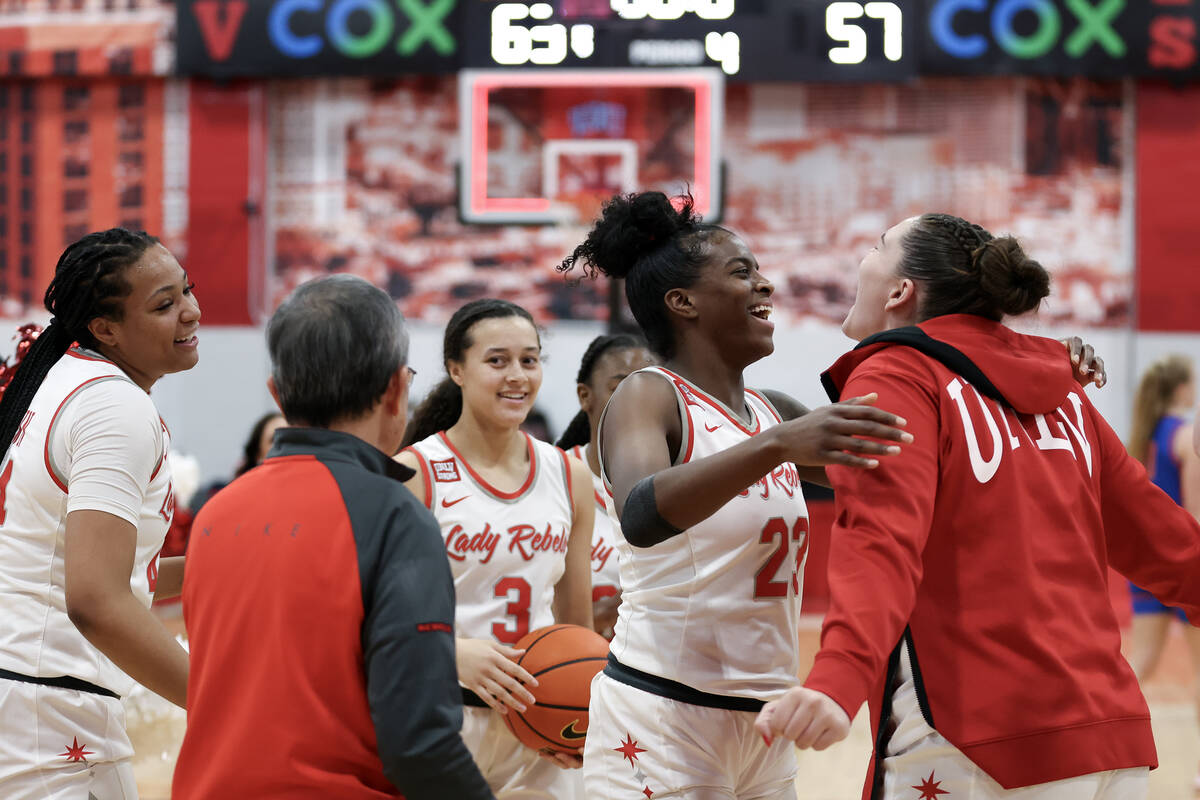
[[440, 409], [577, 434], [89, 282], [44, 353]]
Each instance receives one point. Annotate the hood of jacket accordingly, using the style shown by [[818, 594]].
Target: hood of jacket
[[1031, 374]]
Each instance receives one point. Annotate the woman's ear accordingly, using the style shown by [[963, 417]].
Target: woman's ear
[[585, 397], [902, 297], [103, 330], [679, 301]]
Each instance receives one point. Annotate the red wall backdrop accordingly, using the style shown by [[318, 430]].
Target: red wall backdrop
[[1168, 208], [225, 198]]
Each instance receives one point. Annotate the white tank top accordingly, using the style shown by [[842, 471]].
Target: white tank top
[[507, 550], [716, 607], [92, 430], [606, 574]]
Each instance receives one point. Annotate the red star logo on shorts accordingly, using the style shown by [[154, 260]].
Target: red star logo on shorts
[[929, 788], [648, 793], [629, 750], [75, 751]]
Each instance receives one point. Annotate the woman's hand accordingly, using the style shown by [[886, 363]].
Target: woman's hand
[[1089, 367], [491, 671], [807, 717], [834, 434], [563, 760]]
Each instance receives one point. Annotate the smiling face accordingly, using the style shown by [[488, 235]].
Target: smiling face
[[732, 299], [881, 301], [500, 372], [156, 334]]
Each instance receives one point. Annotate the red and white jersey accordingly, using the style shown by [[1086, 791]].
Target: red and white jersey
[[606, 531], [717, 606], [90, 430], [507, 550]]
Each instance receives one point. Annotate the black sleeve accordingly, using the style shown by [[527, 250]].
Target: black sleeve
[[408, 655]]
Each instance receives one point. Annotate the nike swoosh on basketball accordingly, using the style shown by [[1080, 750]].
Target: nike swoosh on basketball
[[447, 503], [713, 428], [569, 731]]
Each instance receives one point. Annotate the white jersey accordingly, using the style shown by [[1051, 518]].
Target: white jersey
[[716, 607], [92, 440], [507, 550], [606, 572]]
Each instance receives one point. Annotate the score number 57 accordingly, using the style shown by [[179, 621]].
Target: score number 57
[[838, 25]]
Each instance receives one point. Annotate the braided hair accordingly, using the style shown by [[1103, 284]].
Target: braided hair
[[1152, 400], [655, 246], [579, 430], [442, 407], [89, 282], [963, 269]]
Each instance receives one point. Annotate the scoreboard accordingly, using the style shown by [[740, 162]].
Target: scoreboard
[[747, 39]]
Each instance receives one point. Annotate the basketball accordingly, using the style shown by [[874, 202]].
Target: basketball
[[564, 659]]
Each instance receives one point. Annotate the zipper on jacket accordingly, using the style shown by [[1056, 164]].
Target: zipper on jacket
[[918, 681]]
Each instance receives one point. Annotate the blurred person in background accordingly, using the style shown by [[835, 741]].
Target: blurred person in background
[[1161, 438], [254, 450], [87, 500], [606, 362], [318, 603], [537, 425]]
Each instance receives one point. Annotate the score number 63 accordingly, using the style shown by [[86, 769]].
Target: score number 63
[[854, 51]]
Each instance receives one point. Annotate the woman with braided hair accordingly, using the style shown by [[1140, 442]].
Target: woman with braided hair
[[86, 497], [606, 362], [968, 582]]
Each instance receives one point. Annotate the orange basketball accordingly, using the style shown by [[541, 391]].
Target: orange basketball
[[564, 659]]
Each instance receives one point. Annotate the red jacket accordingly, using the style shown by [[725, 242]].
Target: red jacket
[[988, 541]]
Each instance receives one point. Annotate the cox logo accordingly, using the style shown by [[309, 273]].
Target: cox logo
[[1094, 26], [425, 18]]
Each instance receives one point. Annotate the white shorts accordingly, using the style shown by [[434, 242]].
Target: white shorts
[[919, 759], [514, 771], [62, 744], [640, 744]]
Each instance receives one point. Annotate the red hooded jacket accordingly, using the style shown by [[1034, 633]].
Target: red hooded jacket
[[986, 546]]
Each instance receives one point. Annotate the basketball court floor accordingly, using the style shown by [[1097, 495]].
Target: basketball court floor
[[835, 774]]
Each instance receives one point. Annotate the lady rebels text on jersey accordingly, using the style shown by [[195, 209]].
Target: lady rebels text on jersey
[[91, 428], [717, 607], [507, 550]]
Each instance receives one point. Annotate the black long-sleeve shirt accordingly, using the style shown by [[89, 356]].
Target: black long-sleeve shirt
[[320, 610]]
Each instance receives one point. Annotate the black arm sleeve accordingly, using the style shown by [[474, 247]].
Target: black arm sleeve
[[408, 653], [641, 523]]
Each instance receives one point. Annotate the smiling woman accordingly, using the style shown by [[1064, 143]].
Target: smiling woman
[[86, 493], [704, 479], [497, 493]]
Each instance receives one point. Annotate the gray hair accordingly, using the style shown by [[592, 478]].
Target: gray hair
[[335, 343]]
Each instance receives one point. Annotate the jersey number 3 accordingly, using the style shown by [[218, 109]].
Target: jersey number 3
[[766, 583], [519, 595]]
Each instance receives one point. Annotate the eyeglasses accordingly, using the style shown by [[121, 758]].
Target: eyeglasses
[[412, 373]]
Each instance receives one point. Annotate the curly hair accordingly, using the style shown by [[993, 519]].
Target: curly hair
[[656, 246]]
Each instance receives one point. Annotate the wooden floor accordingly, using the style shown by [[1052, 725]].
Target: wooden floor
[[835, 774]]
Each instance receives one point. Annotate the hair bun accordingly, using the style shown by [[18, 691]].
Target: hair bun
[[1013, 282], [630, 227]]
